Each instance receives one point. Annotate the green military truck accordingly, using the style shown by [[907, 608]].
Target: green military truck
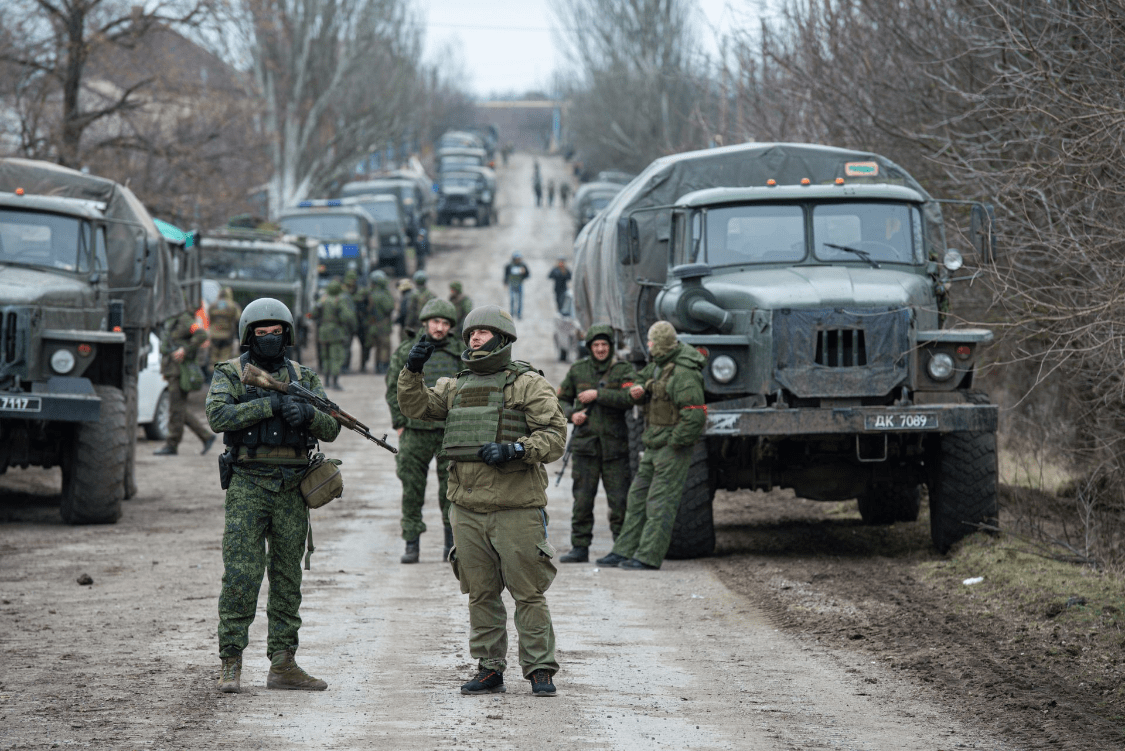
[[346, 235], [815, 282], [85, 276]]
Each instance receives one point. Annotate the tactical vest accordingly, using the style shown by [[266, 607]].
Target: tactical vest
[[273, 436], [661, 410], [478, 415]]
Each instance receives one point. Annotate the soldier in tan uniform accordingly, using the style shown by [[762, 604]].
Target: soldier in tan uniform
[[502, 423], [224, 326]]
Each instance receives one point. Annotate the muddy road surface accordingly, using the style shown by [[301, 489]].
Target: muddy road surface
[[681, 658]]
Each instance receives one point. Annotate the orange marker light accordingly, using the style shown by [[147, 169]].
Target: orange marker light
[[839, 181], [19, 191], [85, 350], [117, 328], [806, 181], [771, 183], [703, 351]]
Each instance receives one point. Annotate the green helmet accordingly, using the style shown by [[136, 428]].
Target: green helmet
[[334, 287], [599, 330], [438, 308], [420, 278], [491, 317], [262, 310], [378, 276]]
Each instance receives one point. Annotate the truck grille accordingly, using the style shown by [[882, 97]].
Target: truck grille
[[841, 348], [9, 345]]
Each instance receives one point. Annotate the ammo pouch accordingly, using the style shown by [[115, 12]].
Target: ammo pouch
[[226, 468], [191, 377], [322, 481]]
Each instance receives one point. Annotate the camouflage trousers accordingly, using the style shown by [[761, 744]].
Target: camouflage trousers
[[264, 530], [331, 358], [361, 336], [498, 550], [221, 352], [380, 345], [416, 449], [654, 499], [180, 414], [614, 476]]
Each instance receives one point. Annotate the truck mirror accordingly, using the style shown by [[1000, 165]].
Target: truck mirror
[[982, 231], [628, 241]]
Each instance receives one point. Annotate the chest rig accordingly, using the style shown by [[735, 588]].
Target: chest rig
[[265, 437], [661, 410], [478, 414]]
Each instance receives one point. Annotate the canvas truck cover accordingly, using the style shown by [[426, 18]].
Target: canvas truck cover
[[149, 298], [605, 291]]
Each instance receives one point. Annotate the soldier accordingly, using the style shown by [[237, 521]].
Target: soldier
[[405, 291], [268, 435], [359, 307], [462, 303], [674, 420], [551, 192], [561, 276], [224, 325], [420, 440], [180, 342], [502, 423], [418, 300], [335, 317], [595, 397], [380, 309], [564, 192]]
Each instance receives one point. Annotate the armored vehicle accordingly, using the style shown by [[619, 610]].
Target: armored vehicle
[[461, 195], [346, 236], [258, 264], [390, 228], [815, 282], [85, 276]]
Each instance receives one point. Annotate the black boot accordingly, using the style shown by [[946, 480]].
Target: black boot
[[448, 543], [167, 449], [486, 682], [207, 444], [577, 554], [411, 554], [613, 559]]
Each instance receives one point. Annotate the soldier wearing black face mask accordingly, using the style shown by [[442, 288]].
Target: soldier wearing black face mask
[[268, 436]]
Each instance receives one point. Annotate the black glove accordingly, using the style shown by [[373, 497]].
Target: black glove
[[498, 453], [419, 353], [277, 399], [297, 413]]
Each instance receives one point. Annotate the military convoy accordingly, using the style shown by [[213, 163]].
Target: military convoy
[[815, 281], [85, 276], [466, 187], [346, 236]]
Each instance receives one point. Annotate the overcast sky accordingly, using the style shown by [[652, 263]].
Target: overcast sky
[[503, 46]]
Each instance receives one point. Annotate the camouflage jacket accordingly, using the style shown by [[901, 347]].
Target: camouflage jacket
[[335, 318], [417, 301], [224, 320], [380, 311], [604, 433], [445, 362], [180, 331], [463, 304], [680, 373], [225, 413]]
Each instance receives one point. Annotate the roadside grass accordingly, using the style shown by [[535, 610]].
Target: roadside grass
[[1028, 470]]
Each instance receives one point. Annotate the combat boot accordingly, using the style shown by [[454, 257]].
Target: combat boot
[[230, 675], [448, 543], [577, 554], [613, 559], [411, 554], [166, 450], [285, 673]]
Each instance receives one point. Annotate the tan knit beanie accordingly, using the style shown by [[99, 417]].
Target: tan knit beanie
[[663, 337]]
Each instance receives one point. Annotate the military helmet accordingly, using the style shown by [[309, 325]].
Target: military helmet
[[334, 287], [420, 278], [378, 276], [599, 331], [457, 287], [262, 310], [404, 284], [438, 308], [491, 317]]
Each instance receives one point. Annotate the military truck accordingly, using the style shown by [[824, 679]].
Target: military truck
[[390, 229], [815, 281], [412, 199], [345, 235], [256, 264], [451, 160], [464, 195], [85, 276], [590, 199]]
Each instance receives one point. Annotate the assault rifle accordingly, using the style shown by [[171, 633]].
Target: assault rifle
[[255, 376], [565, 459]]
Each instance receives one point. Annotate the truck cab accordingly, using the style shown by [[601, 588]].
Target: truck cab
[[345, 235]]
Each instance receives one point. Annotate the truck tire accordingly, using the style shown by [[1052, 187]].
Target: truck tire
[[486, 218], [693, 535], [400, 266], [94, 464], [963, 482], [157, 430], [887, 504]]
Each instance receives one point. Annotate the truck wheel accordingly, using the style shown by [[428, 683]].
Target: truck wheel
[[963, 484], [693, 535], [887, 504], [94, 464], [486, 218], [400, 266], [157, 430], [562, 355]]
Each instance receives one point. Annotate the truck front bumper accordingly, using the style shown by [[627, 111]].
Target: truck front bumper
[[58, 400], [929, 418]]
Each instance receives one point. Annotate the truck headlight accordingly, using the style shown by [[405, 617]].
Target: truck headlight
[[940, 366], [62, 361], [724, 368]]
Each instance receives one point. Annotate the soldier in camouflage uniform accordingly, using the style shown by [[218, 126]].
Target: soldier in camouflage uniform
[[418, 299], [335, 318], [224, 326], [406, 292], [358, 331], [179, 345], [595, 396], [672, 393], [268, 437], [420, 440], [462, 303], [380, 311], [502, 423]]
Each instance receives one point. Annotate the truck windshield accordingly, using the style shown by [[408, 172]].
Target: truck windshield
[[48, 240], [452, 162], [885, 232], [765, 233], [461, 181], [381, 211], [325, 226], [252, 265]]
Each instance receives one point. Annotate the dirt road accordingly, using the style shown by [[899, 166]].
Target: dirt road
[[670, 659]]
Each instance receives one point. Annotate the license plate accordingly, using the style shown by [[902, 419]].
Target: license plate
[[901, 421], [21, 404]]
